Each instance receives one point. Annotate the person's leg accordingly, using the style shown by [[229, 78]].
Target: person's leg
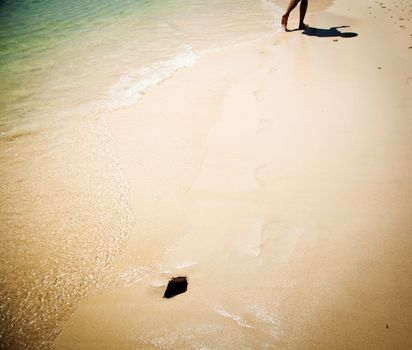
[[303, 8], [292, 5]]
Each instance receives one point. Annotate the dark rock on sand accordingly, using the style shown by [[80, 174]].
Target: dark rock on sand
[[176, 285]]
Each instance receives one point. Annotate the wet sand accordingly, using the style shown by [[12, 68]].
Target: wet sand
[[276, 176]]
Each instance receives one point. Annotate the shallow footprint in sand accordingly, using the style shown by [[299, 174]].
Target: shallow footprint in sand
[[279, 240], [258, 94], [263, 124], [261, 174]]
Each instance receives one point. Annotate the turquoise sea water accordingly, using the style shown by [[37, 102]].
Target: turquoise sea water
[[56, 54]]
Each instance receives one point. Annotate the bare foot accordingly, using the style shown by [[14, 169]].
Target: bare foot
[[285, 21], [303, 26]]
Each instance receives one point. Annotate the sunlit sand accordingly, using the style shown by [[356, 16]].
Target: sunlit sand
[[275, 175]]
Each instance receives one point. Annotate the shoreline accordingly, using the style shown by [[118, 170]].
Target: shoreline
[[278, 183]]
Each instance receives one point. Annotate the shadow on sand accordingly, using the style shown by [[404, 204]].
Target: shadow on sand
[[328, 33]]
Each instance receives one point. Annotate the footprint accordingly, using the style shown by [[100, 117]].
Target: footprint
[[262, 125], [258, 94], [261, 175], [279, 240]]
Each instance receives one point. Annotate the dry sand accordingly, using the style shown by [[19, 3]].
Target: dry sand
[[277, 176]]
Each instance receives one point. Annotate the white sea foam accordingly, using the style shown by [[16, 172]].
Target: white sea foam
[[261, 314], [131, 87], [275, 11], [239, 320], [158, 283], [128, 277], [270, 6], [185, 264]]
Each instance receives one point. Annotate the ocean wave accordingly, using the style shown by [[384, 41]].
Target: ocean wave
[[131, 87]]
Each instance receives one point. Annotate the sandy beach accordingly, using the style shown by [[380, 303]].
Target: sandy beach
[[276, 175]]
